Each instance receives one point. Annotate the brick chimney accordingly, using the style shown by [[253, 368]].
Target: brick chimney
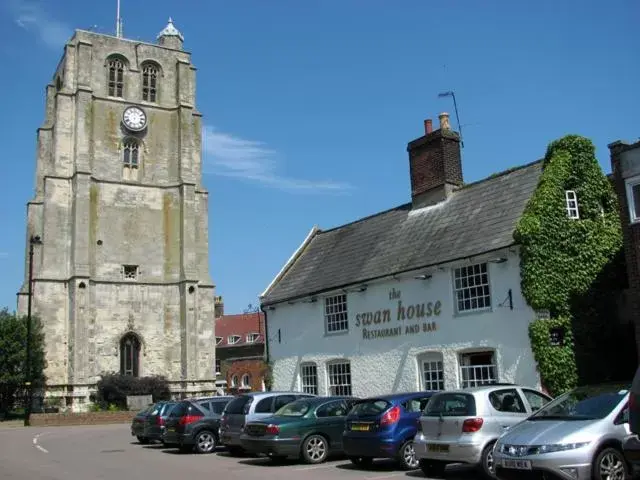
[[435, 163]]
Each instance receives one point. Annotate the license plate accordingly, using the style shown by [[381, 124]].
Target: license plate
[[360, 428], [438, 447], [171, 429], [517, 464]]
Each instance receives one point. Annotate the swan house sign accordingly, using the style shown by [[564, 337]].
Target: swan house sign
[[412, 317]]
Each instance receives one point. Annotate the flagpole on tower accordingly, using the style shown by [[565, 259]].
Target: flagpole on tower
[[118, 20]]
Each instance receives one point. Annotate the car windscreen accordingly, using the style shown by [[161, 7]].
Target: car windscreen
[[299, 408], [582, 403], [237, 405], [451, 405], [370, 407]]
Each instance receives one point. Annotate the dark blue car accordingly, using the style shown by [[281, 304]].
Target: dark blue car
[[384, 427]]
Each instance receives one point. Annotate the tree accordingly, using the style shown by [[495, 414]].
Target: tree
[[13, 343]]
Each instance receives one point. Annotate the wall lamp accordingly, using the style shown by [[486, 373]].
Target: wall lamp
[[424, 276], [498, 260], [362, 288]]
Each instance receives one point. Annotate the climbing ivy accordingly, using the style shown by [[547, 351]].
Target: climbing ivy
[[562, 258]]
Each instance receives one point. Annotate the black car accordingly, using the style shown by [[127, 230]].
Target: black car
[[193, 424], [148, 424]]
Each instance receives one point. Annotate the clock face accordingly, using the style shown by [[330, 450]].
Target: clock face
[[134, 118]]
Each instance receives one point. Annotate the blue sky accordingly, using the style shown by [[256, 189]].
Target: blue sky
[[309, 105]]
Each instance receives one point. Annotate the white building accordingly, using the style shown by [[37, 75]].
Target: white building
[[423, 296]]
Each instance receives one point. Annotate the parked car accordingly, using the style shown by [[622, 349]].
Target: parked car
[[631, 444], [578, 435], [248, 407], [193, 424], [147, 426], [462, 426], [309, 429], [384, 427]]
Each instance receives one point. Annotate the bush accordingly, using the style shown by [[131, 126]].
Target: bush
[[113, 390]]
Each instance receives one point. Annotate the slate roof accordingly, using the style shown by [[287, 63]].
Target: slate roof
[[240, 324], [478, 218]]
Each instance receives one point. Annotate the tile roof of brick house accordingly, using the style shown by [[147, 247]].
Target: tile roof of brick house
[[248, 327]]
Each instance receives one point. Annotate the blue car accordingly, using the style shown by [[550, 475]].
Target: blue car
[[384, 427]]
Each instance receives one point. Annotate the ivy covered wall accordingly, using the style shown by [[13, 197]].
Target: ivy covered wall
[[574, 269]]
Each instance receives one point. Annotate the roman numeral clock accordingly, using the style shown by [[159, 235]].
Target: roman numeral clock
[[134, 119]]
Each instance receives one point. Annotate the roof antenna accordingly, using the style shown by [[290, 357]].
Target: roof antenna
[[118, 20], [455, 106]]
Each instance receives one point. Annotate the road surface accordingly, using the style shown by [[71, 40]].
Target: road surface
[[109, 452]]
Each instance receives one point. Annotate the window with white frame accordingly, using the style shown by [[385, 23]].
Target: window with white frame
[[252, 337], [218, 340], [218, 365], [431, 371], [309, 378], [335, 313], [633, 198], [234, 381], [233, 339], [471, 288], [246, 381], [339, 375], [571, 199], [478, 368]]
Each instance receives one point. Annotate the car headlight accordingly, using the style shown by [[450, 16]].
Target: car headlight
[[560, 447]]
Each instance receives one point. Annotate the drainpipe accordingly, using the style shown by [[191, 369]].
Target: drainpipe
[[266, 336]]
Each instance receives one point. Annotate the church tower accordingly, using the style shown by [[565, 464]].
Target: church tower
[[121, 278]]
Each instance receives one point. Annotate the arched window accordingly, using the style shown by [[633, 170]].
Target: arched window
[[130, 355], [130, 153], [149, 82], [246, 383], [115, 77], [234, 381]]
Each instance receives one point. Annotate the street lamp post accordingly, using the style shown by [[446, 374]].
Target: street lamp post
[[33, 241]]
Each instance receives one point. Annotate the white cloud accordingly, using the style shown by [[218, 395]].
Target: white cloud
[[30, 16], [231, 156]]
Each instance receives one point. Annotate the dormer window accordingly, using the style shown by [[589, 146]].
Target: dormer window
[[233, 339], [252, 337], [218, 340], [571, 200]]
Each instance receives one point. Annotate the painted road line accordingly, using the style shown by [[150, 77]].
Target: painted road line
[[35, 444]]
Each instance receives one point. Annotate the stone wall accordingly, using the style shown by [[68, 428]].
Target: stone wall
[[89, 418]]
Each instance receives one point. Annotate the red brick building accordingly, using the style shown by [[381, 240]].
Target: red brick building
[[240, 352], [625, 165]]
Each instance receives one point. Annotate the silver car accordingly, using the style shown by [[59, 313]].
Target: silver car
[[461, 426], [578, 435]]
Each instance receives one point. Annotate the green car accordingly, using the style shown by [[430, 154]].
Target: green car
[[308, 429]]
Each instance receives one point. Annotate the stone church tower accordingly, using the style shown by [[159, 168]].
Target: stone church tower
[[121, 279]]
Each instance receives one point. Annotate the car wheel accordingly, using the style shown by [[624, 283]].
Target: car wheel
[[315, 449], [432, 468], [487, 464], [205, 442], [407, 456], [361, 461], [610, 464], [143, 440]]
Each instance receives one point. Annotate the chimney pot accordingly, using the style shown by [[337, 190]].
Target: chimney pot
[[444, 121], [428, 126]]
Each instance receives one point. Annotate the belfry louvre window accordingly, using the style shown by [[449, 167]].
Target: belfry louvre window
[[149, 83], [335, 313], [115, 77], [309, 378], [471, 288], [339, 374]]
